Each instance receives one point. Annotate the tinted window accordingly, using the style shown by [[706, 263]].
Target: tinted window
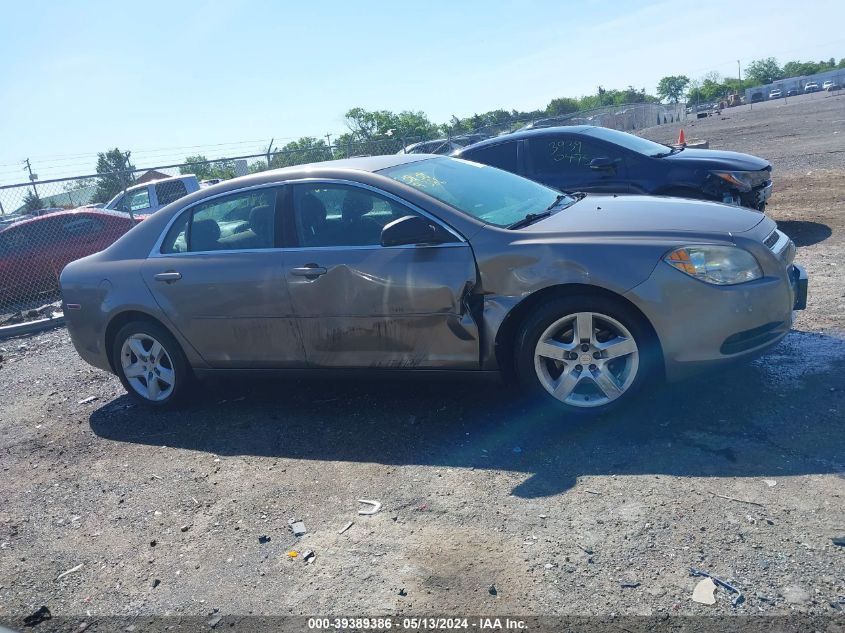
[[556, 154], [241, 221], [338, 215], [502, 156], [16, 240], [82, 226], [629, 141], [483, 192], [170, 190]]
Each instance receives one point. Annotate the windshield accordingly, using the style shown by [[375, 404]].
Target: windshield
[[629, 141], [489, 194]]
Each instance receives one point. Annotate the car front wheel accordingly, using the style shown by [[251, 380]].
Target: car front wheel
[[587, 354], [150, 363]]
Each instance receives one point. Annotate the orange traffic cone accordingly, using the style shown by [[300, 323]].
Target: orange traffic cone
[[681, 138]]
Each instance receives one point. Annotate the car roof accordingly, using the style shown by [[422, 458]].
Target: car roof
[[65, 213], [158, 180], [539, 131], [323, 169]]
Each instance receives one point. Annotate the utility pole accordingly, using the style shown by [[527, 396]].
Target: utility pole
[[32, 177], [269, 149]]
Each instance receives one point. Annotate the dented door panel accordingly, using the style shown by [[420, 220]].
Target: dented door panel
[[398, 307], [234, 307]]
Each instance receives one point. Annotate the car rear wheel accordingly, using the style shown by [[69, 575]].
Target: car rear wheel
[[586, 354], [150, 363]]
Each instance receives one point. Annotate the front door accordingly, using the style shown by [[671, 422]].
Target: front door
[[363, 305], [220, 279], [563, 161]]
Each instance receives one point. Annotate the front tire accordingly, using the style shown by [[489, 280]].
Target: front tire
[[586, 354], [150, 364]]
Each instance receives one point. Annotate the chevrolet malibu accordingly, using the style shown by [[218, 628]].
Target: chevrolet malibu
[[416, 263]]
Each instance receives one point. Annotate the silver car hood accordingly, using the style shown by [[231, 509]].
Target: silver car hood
[[648, 215]]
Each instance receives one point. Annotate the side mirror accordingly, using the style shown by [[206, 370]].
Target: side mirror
[[410, 229], [604, 163]]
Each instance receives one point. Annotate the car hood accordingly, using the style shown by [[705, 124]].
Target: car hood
[[718, 159], [648, 216]]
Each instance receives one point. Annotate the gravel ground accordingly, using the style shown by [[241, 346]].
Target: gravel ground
[[487, 506]]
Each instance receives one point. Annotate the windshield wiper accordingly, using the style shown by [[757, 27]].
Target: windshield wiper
[[528, 219], [672, 150], [558, 198], [533, 217]]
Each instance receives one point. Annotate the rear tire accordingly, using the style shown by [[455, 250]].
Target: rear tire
[[586, 354], [150, 364]]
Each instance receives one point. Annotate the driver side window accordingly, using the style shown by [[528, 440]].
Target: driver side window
[[340, 215]]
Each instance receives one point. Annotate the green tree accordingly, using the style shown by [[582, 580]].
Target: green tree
[[671, 88], [304, 150], [205, 170], [115, 170], [562, 105], [32, 202], [764, 71]]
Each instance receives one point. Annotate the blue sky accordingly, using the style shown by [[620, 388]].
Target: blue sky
[[167, 79]]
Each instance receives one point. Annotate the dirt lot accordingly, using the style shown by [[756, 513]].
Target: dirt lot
[[487, 507]]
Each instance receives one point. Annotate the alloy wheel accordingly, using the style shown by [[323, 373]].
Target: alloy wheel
[[586, 359], [148, 367]]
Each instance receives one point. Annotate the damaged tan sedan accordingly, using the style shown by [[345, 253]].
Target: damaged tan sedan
[[417, 264]]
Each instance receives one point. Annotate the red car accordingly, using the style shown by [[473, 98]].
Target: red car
[[33, 252]]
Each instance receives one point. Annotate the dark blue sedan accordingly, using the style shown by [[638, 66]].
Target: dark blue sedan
[[597, 159]]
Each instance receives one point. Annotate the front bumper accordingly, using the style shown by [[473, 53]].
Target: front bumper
[[700, 325]]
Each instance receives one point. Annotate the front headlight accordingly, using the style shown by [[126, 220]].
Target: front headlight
[[742, 180], [721, 265]]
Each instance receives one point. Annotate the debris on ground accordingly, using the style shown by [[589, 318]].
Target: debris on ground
[[185, 528], [753, 503], [43, 613], [629, 584], [293, 554], [705, 592], [493, 591], [308, 556], [69, 571], [156, 582], [771, 483], [838, 540], [738, 598], [263, 539], [376, 506], [88, 399], [402, 592], [346, 527], [214, 621], [297, 527]]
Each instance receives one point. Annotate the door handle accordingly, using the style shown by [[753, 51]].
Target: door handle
[[168, 276], [308, 271]]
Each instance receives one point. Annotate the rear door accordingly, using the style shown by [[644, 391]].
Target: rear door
[[360, 304], [563, 161], [502, 155], [218, 274]]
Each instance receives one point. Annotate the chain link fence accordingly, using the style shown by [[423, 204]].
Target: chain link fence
[[44, 225]]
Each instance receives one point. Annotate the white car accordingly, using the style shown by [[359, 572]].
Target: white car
[[775, 94], [827, 84], [150, 197], [811, 86]]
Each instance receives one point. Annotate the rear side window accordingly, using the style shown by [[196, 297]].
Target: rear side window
[[241, 221], [170, 190], [82, 226], [502, 155], [567, 154]]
